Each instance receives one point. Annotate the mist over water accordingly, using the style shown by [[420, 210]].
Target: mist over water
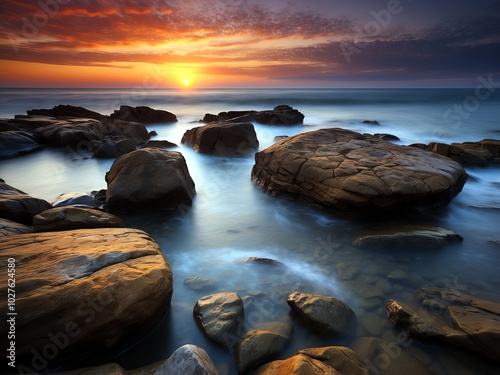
[[232, 219]]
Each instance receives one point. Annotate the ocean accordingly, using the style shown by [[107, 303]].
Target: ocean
[[231, 218]]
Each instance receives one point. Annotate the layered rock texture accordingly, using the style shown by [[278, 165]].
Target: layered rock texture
[[280, 115], [482, 153], [351, 174]]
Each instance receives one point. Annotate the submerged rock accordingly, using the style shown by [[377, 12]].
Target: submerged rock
[[221, 318], [222, 138], [351, 174], [149, 180], [143, 115], [85, 287], [322, 315], [71, 218], [263, 261], [457, 318], [200, 283]]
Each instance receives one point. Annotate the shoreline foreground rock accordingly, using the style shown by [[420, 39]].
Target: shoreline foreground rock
[[351, 174], [86, 287]]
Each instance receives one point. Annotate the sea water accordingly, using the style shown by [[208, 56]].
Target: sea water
[[231, 218]]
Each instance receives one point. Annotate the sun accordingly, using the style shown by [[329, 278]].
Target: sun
[[186, 82]]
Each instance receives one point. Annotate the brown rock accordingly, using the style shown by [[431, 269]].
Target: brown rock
[[143, 115], [133, 130], [188, 359], [280, 115], [71, 218], [85, 285], [159, 144], [200, 283], [149, 180], [340, 358], [64, 132], [352, 174], [297, 365]]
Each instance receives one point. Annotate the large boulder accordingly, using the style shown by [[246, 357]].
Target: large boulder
[[83, 290], [399, 235], [351, 174], [21, 208], [9, 228], [15, 143], [451, 317], [222, 138], [221, 318], [322, 315], [143, 115], [70, 218], [149, 180]]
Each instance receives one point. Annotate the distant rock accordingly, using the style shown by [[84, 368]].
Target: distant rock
[[480, 154], [133, 131], [222, 138], [221, 318], [159, 144], [200, 283], [85, 286], [64, 132], [15, 143], [21, 208], [149, 180], [368, 122], [406, 236], [9, 228], [451, 317], [208, 118], [263, 261], [351, 174], [67, 111], [71, 218], [188, 359], [322, 315], [143, 115], [280, 115]]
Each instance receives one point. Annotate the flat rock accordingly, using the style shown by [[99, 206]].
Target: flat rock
[[351, 174], [454, 318], [143, 115], [220, 317], [149, 180], [200, 283], [159, 144], [9, 228], [479, 154], [15, 143], [71, 218], [21, 208], [322, 315], [90, 284], [222, 138], [188, 359]]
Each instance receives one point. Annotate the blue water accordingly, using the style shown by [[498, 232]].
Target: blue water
[[232, 219]]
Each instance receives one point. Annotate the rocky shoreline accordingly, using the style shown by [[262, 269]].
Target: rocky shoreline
[[89, 273]]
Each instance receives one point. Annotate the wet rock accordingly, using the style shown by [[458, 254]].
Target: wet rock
[[340, 358], [114, 150], [133, 131], [90, 284], [279, 138], [388, 358], [322, 315], [9, 228], [159, 144], [259, 346], [263, 261], [200, 283], [368, 122], [280, 115], [346, 271], [21, 208], [149, 180], [64, 132], [222, 138], [15, 143], [220, 317], [297, 365], [347, 173], [208, 118], [457, 318], [77, 199], [481, 154], [67, 111], [406, 236], [71, 218], [386, 137], [188, 359], [143, 115]]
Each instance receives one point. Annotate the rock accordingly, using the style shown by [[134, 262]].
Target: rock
[[222, 138], [6, 189], [263, 261], [457, 318], [21, 208], [280, 115], [9, 228], [480, 154], [387, 358], [342, 359], [76, 199], [114, 150], [297, 365], [368, 122], [188, 359], [159, 144], [143, 115], [322, 315], [397, 275], [208, 118], [90, 283], [15, 143], [386, 137], [259, 346], [350, 174], [64, 132], [346, 271], [220, 317], [149, 180], [279, 138], [67, 111], [133, 130], [406, 236], [421, 146], [199, 283], [70, 218], [153, 133]]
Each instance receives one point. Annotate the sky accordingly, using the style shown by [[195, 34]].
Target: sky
[[248, 43]]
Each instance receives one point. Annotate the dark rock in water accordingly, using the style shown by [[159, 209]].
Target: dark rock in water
[[15, 143], [87, 284], [421, 146], [9, 228], [406, 236], [153, 133], [351, 174], [386, 137], [21, 208], [231, 115], [451, 317], [220, 317], [322, 315], [149, 180], [143, 115], [68, 132], [188, 359], [112, 150], [279, 138], [222, 138], [159, 144], [132, 130], [200, 283], [280, 115], [76, 199], [67, 111], [263, 261], [367, 122], [480, 154], [71, 218], [208, 118]]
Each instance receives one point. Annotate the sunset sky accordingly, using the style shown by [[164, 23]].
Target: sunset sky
[[248, 43]]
